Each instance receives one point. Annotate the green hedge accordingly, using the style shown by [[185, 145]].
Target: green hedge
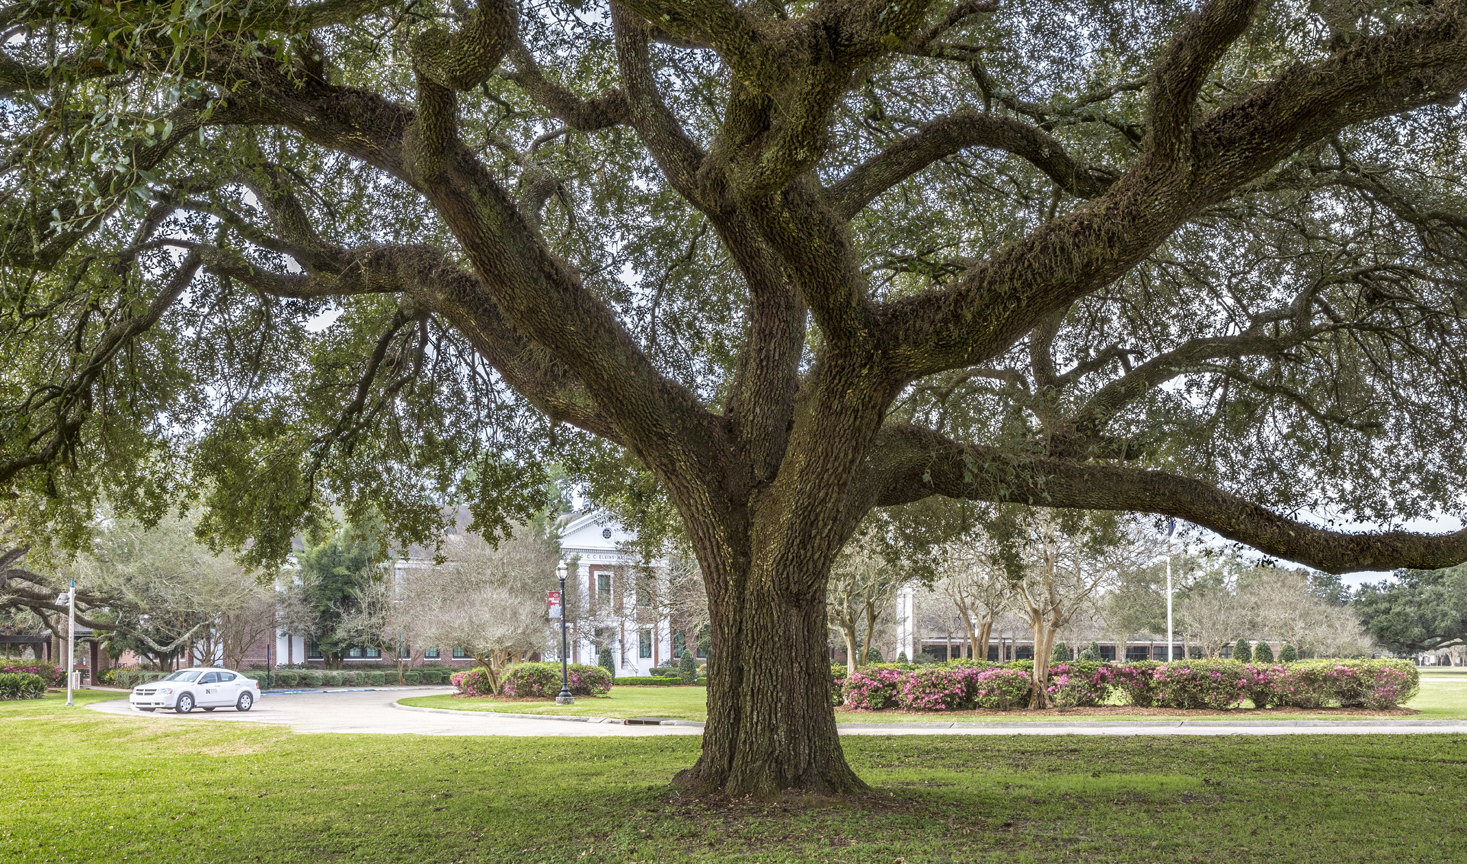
[[654, 681], [21, 685]]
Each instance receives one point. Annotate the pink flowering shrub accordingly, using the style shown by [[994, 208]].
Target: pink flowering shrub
[[872, 688], [1265, 684], [1135, 682], [1001, 688], [50, 673], [473, 682], [939, 689], [534, 680], [1213, 685], [542, 680], [1079, 684]]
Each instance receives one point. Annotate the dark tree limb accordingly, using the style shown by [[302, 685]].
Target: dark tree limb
[[911, 464], [951, 134]]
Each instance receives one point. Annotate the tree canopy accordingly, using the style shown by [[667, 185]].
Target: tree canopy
[[1422, 610], [764, 265]]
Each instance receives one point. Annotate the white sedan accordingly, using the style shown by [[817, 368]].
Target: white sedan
[[200, 687]]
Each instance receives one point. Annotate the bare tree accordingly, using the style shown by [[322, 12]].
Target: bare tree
[[863, 586], [973, 577], [1068, 556], [487, 600]]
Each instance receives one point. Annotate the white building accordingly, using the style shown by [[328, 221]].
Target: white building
[[612, 599]]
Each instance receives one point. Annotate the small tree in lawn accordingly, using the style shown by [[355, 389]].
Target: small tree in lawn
[[1262, 653], [1288, 654], [1061, 653], [603, 659], [488, 600], [687, 669], [1242, 652]]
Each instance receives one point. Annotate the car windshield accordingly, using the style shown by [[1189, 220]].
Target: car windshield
[[182, 676]]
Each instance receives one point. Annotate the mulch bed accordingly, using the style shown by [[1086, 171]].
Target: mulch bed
[[1133, 711]]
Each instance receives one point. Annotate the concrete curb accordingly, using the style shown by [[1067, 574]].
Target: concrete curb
[[460, 712]]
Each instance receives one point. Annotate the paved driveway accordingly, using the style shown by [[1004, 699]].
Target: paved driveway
[[374, 712]]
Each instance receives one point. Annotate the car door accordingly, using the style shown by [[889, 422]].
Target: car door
[[208, 689], [229, 687]]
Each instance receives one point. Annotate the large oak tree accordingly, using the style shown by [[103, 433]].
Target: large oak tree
[[776, 264]]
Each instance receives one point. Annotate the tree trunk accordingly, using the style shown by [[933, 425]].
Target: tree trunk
[[849, 635], [770, 725], [985, 637], [1044, 635]]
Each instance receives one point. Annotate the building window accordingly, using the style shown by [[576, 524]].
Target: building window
[[679, 645], [644, 591], [430, 654], [458, 654], [354, 652], [603, 586], [313, 651], [644, 643], [372, 653], [698, 650]]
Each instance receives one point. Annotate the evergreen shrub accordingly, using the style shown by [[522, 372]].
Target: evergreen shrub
[[1288, 654], [603, 659], [21, 685], [687, 668], [874, 656], [1242, 653], [902, 657], [413, 678], [376, 679], [1263, 653], [1061, 653]]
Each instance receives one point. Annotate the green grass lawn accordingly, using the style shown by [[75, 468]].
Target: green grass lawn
[[1438, 700], [80, 786], [676, 703]]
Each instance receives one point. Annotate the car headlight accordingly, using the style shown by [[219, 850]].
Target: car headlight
[[165, 690]]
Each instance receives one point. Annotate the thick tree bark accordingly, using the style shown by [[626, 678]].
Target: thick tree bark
[[770, 726]]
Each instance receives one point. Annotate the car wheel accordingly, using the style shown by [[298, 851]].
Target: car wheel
[[185, 703], [210, 709], [246, 701]]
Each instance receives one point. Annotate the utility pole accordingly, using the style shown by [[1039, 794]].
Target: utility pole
[[1171, 526]]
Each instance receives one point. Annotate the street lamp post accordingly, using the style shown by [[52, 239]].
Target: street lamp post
[[564, 697], [71, 640]]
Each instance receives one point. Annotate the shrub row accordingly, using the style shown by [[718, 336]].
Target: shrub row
[[535, 680], [50, 674], [1193, 684], [655, 681], [936, 688], [311, 679], [21, 685]]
